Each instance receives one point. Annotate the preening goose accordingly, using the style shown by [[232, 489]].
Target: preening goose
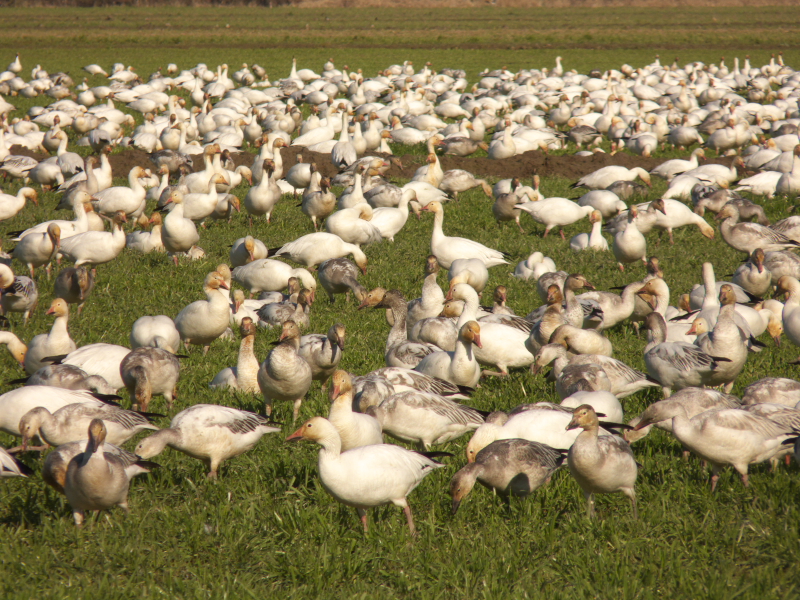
[[369, 476], [315, 248], [323, 352]]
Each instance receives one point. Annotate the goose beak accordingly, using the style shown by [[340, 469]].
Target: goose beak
[[573, 424], [456, 504], [477, 341], [224, 285], [297, 435]]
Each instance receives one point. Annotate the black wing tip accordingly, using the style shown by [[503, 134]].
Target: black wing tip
[[17, 381], [435, 454], [149, 415], [147, 464], [107, 398], [56, 359]]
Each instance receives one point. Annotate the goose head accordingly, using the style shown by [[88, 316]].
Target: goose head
[[462, 483], [699, 327], [289, 331], [584, 417], [757, 258], [30, 423], [500, 294], [225, 271], [250, 246], [431, 265], [658, 204], [315, 430], [214, 281], [727, 295], [238, 300], [471, 333], [728, 211], [336, 335], [554, 296], [97, 435], [247, 327], [155, 219], [576, 282], [59, 308], [54, 233], [341, 384]]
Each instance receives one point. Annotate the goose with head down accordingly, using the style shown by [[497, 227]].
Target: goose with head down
[[447, 249]]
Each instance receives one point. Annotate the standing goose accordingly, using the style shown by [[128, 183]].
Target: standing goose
[[753, 276], [74, 285], [447, 249], [96, 247], [18, 293], [629, 245], [323, 352], [55, 343], [315, 248], [318, 200], [284, 374], [746, 237], [178, 234], [203, 321], [244, 376], [262, 198], [130, 199], [147, 372], [355, 429], [340, 276], [38, 249], [96, 479], [602, 178], [600, 464], [509, 467], [369, 476], [11, 205], [210, 433]]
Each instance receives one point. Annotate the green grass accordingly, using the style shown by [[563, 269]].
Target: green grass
[[267, 528]]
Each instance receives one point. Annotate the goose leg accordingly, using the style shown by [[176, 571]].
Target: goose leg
[[410, 519], [78, 516], [296, 411], [589, 505], [362, 514], [486, 373]]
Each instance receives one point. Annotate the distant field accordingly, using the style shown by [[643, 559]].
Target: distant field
[[267, 529]]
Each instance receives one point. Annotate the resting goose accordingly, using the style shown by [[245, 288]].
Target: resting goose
[[536, 265], [600, 464], [431, 302], [460, 366], [148, 372], [407, 380], [210, 433], [753, 276], [581, 341], [509, 467], [447, 249], [355, 429], [96, 479], [593, 240], [323, 352], [369, 476], [203, 321], [469, 270], [285, 375], [158, 332], [69, 423], [246, 250], [18, 293], [602, 178]]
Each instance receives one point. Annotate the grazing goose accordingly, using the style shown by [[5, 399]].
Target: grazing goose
[[602, 178], [10, 205], [55, 343], [607, 203], [459, 366], [267, 275], [746, 237], [210, 433], [340, 276], [54, 468], [399, 351], [148, 372], [447, 249], [369, 476], [68, 424], [725, 437], [11, 467], [424, 419], [18, 293], [158, 332], [600, 464], [675, 364], [456, 181], [323, 352], [15, 346], [284, 374], [355, 429], [509, 467], [68, 377], [203, 321], [244, 376], [73, 285], [315, 248], [96, 479]]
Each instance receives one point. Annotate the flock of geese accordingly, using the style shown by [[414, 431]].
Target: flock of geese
[[439, 344]]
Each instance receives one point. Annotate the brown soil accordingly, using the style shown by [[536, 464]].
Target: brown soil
[[522, 166]]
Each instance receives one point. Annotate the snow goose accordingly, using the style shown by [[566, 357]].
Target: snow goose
[[178, 234], [69, 423], [776, 390], [447, 249], [285, 375], [210, 433], [130, 199], [147, 241], [148, 372], [602, 178], [340, 276], [460, 366], [96, 479], [471, 271], [353, 225], [244, 376], [746, 237], [262, 198], [431, 302], [246, 250], [534, 267], [10, 205], [369, 476], [752, 276], [675, 364], [509, 467], [68, 377], [323, 352], [158, 331], [725, 437], [505, 205], [629, 245], [555, 212], [96, 359], [399, 350], [608, 203], [38, 249], [603, 402], [615, 308], [318, 201], [203, 321], [456, 181], [11, 467], [390, 220], [198, 206], [581, 341], [18, 293], [600, 464], [96, 247], [554, 316], [424, 419], [355, 429], [267, 275], [407, 380], [55, 343], [593, 240], [671, 168], [277, 313], [314, 248]]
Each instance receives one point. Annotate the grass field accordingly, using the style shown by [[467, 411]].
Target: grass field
[[266, 527]]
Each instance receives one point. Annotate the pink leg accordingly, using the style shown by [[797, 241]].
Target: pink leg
[[410, 519], [362, 514]]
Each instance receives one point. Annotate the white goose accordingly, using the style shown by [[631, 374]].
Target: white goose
[[314, 248], [460, 366], [55, 343], [130, 199], [268, 275], [38, 249], [14, 404], [178, 234], [354, 226], [244, 376], [555, 212], [369, 476], [203, 321], [593, 240], [602, 178], [99, 359], [447, 249], [96, 247], [355, 429], [158, 332], [210, 433], [10, 205]]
